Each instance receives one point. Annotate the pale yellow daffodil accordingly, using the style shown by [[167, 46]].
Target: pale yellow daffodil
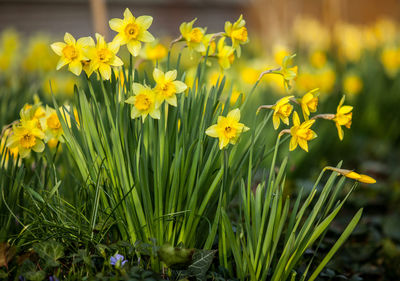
[[227, 129], [301, 133], [238, 33], [144, 102], [343, 117], [132, 31], [167, 87], [72, 52], [103, 56]]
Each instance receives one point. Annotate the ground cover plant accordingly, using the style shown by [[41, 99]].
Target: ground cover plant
[[150, 174]]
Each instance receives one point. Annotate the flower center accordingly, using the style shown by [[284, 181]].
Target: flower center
[[143, 102], [167, 89], [196, 35], [132, 30], [70, 52], [28, 141], [104, 55], [286, 109], [240, 34], [229, 132], [304, 134], [53, 122]]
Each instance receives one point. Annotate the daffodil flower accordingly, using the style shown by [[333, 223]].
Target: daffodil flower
[[309, 103], [238, 33], [167, 87], [352, 175], [144, 102], [209, 43], [282, 110], [301, 133], [226, 54], [72, 52], [154, 51], [26, 136], [132, 31], [51, 125], [227, 129], [103, 56], [288, 72], [193, 36], [343, 117]]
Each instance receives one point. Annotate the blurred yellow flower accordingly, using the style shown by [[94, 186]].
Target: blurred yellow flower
[[390, 58], [249, 75], [103, 56], [309, 102], [301, 133], [209, 43], [318, 59], [144, 102], [167, 87], [154, 51], [26, 136], [235, 96], [193, 36], [226, 54], [72, 52], [282, 110], [352, 84], [132, 31], [343, 117], [280, 52], [238, 33], [227, 129]]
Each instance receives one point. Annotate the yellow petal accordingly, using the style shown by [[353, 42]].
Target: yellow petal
[[130, 100], [179, 86], [128, 15], [85, 42], [352, 175], [345, 109], [134, 47], [116, 24], [340, 131], [155, 114], [171, 75], [135, 113], [296, 119], [144, 21], [172, 100], [105, 71], [293, 143], [116, 61], [234, 114], [58, 47], [69, 39], [39, 146], [63, 61], [75, 67], [303, 144], [223, 142], [146, 37], [212, 131], [158, 75], [276, 121], [137, 88]]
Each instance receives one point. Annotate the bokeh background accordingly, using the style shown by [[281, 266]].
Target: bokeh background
[[342, 47]]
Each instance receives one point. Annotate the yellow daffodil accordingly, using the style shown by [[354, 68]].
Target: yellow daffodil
[[282, 110], [167, 87], [301, 133], [72, 52], [26, 136], [144, 102], [154, 51], [51, 125], [309, 103], [343, 117], [288, 72], [227, 129], [132, 31], [318, 59], [238, 33], [226, 54], [352, 175], [103, 56], [193, 36], [352, 84]]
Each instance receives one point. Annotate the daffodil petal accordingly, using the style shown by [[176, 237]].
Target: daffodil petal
[[144, 21], [180, 86], [134, 47], [58, 47], [116, 24]]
